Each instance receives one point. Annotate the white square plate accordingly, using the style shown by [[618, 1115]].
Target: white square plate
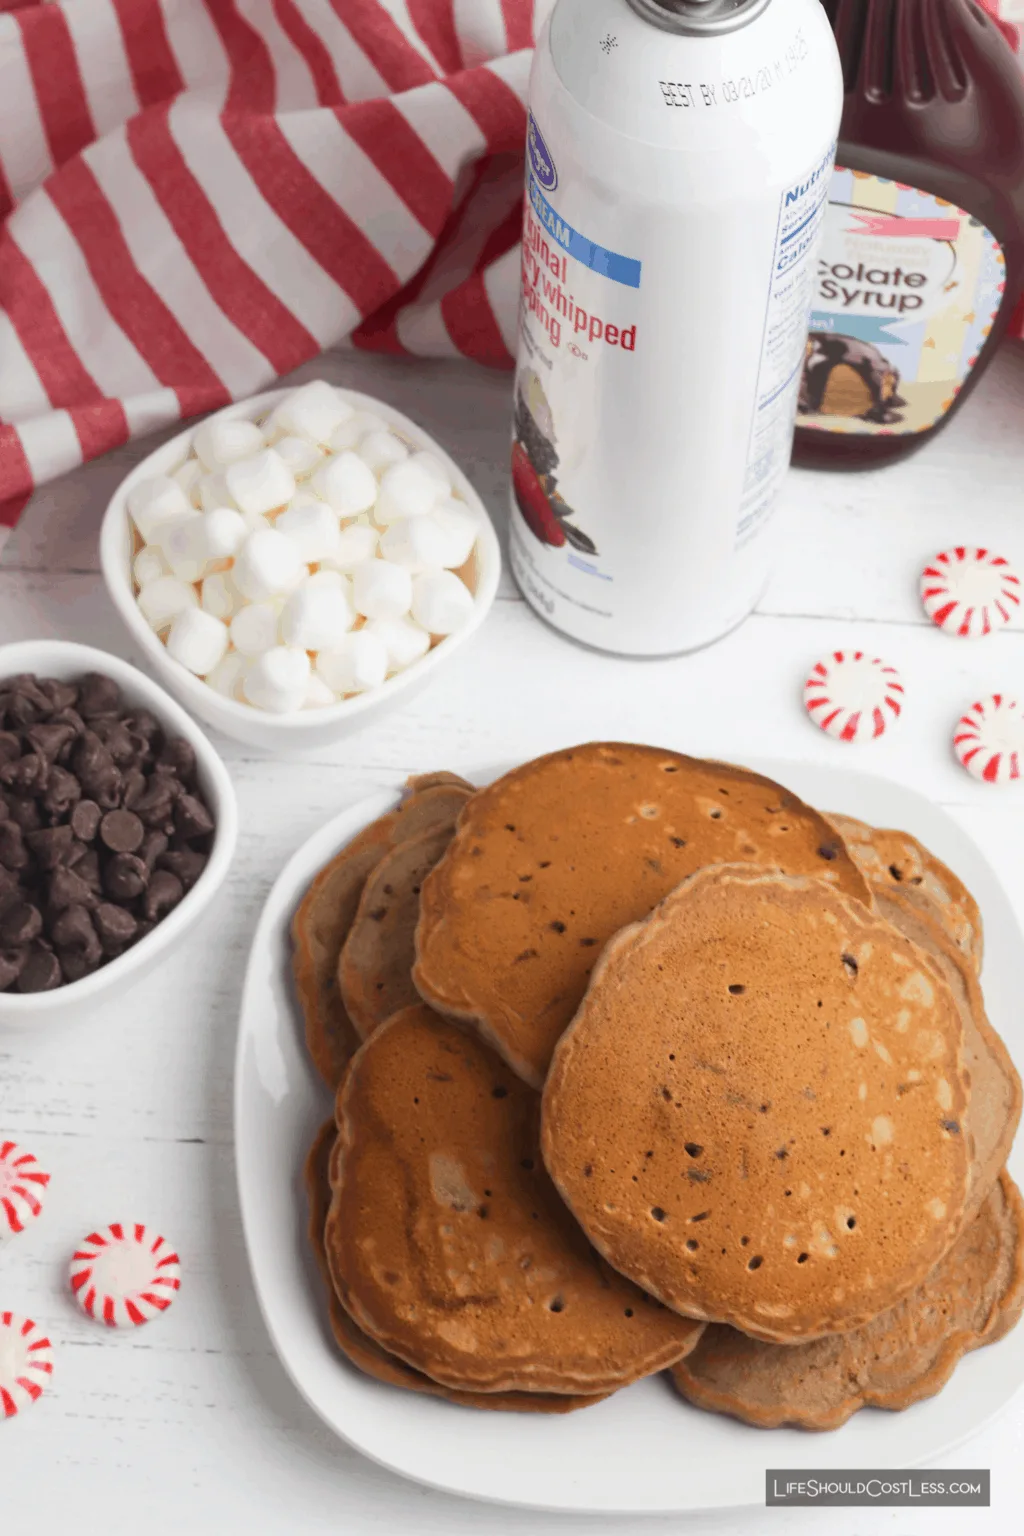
[[643, 1450]]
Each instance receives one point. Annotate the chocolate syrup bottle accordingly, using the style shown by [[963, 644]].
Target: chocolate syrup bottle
[[922, 259]]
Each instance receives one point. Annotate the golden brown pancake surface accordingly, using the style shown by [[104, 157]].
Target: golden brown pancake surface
[[553, 859], [725, 1115], [326, 912], [446, 1241], [974, 1296], [368, 1356]]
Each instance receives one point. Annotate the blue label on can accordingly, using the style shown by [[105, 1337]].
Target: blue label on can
[[621, 269], [540, 158]]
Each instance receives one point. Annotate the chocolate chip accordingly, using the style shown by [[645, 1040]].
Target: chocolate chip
[[125, 877], [133, 787], [49, 844], [24, 812], [67, 888], [118, 741], [28, 775], [60, 694], [153, 845], [179, 756], [164, 893], [13, 853], [76, 963], [142, 723], [115, 926], [96, 770], [191, 818], [41, 971], [72, 718], [20, 924], [186, 863], [62, 791], [121, 831], [88, 869], [98, 695], [154, 808], [11, 962], [74, 930], [85, 820], [10, 747], [49, 740]]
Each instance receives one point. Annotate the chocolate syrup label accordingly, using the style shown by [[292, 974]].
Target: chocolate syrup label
[[908, 288]]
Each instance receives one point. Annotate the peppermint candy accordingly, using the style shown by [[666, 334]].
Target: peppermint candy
[[124, 1275], [853, 696], [989, 739], [22, 1189], [969, 592], [26, 1363]]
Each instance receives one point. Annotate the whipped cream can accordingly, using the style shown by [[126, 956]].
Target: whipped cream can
[[678, 167]]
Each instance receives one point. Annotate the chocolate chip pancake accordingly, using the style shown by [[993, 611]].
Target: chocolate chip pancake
[[375, 969], [725, 1117], [448, 1245], [973, 1297], [993, 1109], [553, 859], [895, 860], [368, 1356], [329, 906]]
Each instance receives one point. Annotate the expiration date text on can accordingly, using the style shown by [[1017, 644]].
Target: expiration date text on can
[[747, 86]]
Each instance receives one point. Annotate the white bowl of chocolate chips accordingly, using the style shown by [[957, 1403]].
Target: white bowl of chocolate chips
[[118, 822]]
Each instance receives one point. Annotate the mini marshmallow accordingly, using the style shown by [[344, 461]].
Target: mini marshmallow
[[184, 545], [358, 663], [197, 640], [406, 490], [441, 602], [332, 580], [404, 641], [313, 529], [460, 529], [435, 469], [358, 542], [255, 522], [266, 564], [220, 596], [219, 443], [226, 677], [315, 411], [261, 483], [157, 501], [347, 484], [300, 455], [226, 532], [188, 477], [213, 493], [278, 680], [381, 590], [163, 599], [149, 564], [381, 449], [318, 695], [418, 543], [316, 618], [256, 629], [352, 432]]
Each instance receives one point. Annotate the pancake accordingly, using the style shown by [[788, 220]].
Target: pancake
[[368, 1356], [375, 969], [973, 1297], [895, 860], [553, 859], [993, 1109], [725, 1116], [326, 912], [447, 1243]]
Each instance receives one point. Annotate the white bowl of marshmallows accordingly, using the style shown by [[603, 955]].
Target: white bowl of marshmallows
[[297, 563]]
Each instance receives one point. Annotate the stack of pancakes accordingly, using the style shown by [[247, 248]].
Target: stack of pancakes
[[643, 1064]]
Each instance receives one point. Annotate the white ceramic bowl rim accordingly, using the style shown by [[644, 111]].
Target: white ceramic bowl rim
[[195, 689], [68, 656]]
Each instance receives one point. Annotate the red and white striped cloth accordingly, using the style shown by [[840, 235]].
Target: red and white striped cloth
[[199, 195]]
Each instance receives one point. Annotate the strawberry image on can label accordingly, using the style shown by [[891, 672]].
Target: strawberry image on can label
[[535, 464]]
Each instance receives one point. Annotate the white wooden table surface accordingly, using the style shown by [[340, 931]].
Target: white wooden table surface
[[191, 1424]]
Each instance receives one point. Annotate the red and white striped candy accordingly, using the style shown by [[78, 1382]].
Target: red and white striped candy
[[26, 1363], [853, 696], [989, 739], [123, 1275], [22, 1189], [970, 592]]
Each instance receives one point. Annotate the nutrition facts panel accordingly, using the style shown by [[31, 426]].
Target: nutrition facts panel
[[801, 214]]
